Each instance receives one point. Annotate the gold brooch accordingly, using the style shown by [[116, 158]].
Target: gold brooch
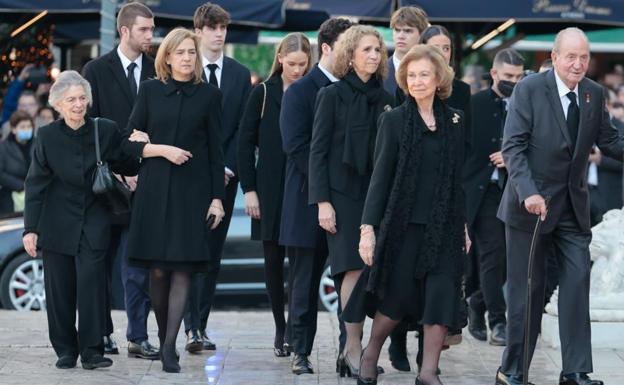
[[455, 117]]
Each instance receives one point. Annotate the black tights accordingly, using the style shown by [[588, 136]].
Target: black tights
[[169, 292], [274, 277]]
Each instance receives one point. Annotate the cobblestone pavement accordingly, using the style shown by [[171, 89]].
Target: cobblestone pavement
[[244, 356]]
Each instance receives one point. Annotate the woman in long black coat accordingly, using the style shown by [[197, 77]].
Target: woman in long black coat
[[69, 223], [15, 156], [262, 181], [176, 121], [341, 160], [415, 204]]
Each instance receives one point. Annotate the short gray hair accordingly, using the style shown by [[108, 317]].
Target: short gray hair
[[64, 81], [567, 31]]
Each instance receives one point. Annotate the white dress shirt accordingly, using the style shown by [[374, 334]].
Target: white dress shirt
[[397, 62], [125, 62], [329, 75], [563, 90], [218, 62]]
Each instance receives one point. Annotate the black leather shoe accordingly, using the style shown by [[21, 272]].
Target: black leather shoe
[[143, 350], [398, 355], [207, 344], [476, 324], [193, 342], [66, 362], [301, 365], [503, 379], [96, 361], [578, 379], [498, 337], [110, 346]]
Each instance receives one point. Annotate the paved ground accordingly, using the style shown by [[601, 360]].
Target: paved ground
[[244, 356]]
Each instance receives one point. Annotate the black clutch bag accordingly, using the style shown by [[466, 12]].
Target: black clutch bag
[[115, 193]]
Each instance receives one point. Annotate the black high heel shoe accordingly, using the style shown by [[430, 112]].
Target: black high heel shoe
[[345, 368], [365, 380], [170, 362]]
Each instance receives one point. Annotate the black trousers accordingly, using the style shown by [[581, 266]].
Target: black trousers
[[76, 281], [135, 282], [489, 236], [572, 251], [111, 255], [203, 284], [305, 267]]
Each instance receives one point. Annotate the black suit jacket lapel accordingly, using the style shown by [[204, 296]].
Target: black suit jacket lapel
[[275, 89], [147, 68], [116, 68], [584, 102], [555, 103], [226, 83]]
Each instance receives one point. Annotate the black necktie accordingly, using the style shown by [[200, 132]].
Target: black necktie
[[213, 75], [573, 117], [131, 79]]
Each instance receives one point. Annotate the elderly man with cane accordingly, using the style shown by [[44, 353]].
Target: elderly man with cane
[[553, 121]]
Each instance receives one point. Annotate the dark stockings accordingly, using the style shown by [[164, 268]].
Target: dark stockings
[[433, 340], [169, 293], [274, 277], [381, 329]]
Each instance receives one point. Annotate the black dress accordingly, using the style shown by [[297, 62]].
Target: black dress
[[341, 158], [167, 225], [432, 298], [259, 130]]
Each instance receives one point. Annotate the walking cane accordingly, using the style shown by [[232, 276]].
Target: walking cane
[[527, 313]]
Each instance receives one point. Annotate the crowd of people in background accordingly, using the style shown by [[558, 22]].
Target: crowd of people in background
[[388, 167]]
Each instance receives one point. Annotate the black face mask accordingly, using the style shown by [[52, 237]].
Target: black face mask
[[505, 87]]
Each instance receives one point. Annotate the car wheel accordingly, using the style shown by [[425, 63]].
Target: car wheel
[[327, 291], [21, 284]]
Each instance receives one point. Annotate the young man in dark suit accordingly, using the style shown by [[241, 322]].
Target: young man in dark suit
[[234, 81], [300, 233], [407, 23], [485, 177], [115, 79], [553, 121]]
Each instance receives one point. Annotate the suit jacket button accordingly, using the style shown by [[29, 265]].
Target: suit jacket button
[[481, 187], [494, 140]]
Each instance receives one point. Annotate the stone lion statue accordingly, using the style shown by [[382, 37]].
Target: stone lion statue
[[606, 295]]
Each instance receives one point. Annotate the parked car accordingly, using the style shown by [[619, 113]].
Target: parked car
[[240, 283]]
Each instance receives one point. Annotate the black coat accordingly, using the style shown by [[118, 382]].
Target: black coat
[[235, 87], [171, 202], [112, 98], [13, 169], [266, 177], [299, 226], [389, 139], [487, 138], [390, 84], [332, 116], [60, 205]]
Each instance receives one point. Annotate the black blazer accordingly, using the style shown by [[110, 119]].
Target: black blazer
[[389, 137], [59, 203], [13, 169], [487, 137], [266, 176], [538, 150], [171, 202], [327, 169], [390, 84], [235, 87], [299, 226], [112, 98]]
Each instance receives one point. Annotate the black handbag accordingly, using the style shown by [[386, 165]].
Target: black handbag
[[115, 193]]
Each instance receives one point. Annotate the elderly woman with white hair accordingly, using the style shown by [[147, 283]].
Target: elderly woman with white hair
[[69, 224]]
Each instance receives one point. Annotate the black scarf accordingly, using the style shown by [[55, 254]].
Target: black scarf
[[363, 108], [444, 231]]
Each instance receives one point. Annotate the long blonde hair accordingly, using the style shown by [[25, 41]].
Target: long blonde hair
[[169, 44], [293, 42]]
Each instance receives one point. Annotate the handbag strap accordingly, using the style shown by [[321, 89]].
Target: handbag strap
[[97, 142], [263, 100]]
